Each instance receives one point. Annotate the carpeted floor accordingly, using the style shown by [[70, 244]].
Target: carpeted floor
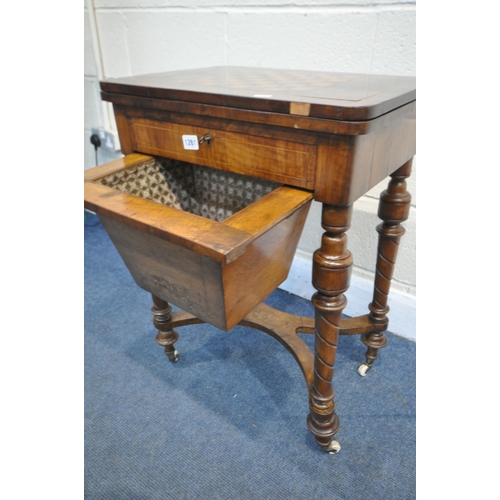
[[228, 420]]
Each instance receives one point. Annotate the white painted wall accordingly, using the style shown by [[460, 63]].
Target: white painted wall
[[134, 37]]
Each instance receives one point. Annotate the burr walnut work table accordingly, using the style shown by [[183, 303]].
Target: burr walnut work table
[[207, 206]]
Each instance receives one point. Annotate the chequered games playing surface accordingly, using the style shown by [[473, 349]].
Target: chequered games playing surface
[[262, 82]]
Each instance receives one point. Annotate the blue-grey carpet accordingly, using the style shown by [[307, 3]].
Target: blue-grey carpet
[[228, 420]]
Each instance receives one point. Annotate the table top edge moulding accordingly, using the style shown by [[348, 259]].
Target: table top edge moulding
[[332, 96]]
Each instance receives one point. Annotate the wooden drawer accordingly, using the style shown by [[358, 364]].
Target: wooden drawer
[[279, 160], [218, 262], [165, 139]]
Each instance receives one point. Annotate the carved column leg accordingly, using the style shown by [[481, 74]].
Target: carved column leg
[[393, 209], [166, 337], [331, 275]]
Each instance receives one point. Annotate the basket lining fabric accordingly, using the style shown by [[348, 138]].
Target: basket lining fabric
[[208, 192]]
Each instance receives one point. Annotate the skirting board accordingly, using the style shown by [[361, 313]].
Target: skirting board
[[402, 314]]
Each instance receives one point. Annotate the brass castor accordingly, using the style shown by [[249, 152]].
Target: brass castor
[[173, 356], [333, 448], [363, 369]]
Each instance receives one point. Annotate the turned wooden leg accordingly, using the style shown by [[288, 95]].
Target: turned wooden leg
[[393, 209], [331, 274], [162, 315]]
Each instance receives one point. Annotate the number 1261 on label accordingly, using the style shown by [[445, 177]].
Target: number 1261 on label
[[190, 142]]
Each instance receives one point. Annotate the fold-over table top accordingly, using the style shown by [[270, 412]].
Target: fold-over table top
[[334, 96]]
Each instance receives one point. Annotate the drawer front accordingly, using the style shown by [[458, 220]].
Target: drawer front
[[165, 139], [283, 161]]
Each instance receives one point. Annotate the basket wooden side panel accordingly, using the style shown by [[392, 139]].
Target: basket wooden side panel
[[173, 273], [254, 275]]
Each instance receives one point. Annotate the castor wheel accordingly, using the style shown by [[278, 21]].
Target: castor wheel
[[363, 369], [332, 448], [173, 356]]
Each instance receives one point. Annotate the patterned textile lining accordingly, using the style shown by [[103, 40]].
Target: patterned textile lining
[[211, 193]]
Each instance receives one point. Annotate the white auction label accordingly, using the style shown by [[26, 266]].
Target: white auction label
[[190, 142]]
